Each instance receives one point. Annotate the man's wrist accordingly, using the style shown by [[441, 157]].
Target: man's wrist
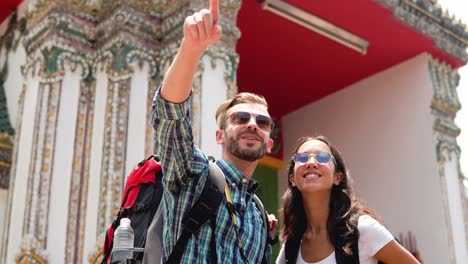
[[192, 47]]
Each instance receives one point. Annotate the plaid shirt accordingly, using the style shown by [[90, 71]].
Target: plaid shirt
[[185, 169]]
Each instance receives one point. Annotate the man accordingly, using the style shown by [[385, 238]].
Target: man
[[244, 135]]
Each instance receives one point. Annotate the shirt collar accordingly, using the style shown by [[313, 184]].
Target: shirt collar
[[235, 178]]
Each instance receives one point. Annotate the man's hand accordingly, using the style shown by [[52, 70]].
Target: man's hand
[[273, 224], [201, 29]]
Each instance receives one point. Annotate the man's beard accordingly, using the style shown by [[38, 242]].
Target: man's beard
[[248, 154]]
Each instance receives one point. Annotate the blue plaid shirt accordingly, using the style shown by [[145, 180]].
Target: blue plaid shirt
[[185, 169]]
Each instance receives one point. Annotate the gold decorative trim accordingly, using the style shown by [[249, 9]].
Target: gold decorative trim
[[5, 146], [97, 257], [25, 258], [80, 175], [4, 164]]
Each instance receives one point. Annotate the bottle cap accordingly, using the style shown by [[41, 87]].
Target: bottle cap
[[125, 222]]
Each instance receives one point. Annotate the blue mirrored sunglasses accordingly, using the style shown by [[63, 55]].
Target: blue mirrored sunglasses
[[321, 157]]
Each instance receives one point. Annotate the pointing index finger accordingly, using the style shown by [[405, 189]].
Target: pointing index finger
[[214, 9]]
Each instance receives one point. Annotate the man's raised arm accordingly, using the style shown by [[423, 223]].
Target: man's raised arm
[[200, 31]]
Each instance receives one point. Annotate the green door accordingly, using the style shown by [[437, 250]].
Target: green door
[[268, 193]]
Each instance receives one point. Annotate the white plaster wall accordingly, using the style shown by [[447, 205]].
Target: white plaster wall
[[3, 208], [94, 184], [25, 144], [213, 93], [137, 121], [63, 162], [383, 127], [14, 83]]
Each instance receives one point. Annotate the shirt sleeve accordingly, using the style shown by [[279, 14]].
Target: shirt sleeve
[[281, 259], [174, 141], [372, 236]]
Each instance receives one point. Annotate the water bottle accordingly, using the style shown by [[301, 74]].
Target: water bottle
[[123, 239]]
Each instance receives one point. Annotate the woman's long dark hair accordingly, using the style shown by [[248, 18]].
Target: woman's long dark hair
[[344, 207]]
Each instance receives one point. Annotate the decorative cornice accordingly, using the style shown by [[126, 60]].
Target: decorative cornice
[[444, 80], [141, 24], [59, 27], [426, 16], [119, 30]]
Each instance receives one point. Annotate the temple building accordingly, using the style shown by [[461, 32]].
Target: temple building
[[377, 77]]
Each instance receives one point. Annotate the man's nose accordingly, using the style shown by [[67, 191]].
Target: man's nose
[[252, 123]]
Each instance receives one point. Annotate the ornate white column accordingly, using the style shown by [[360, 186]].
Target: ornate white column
[[52, 144], [17, 199], [445, 105]]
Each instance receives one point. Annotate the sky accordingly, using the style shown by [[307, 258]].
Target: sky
[[459, 8]]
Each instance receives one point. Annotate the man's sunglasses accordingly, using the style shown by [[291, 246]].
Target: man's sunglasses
[[241, 118], [321, 157]]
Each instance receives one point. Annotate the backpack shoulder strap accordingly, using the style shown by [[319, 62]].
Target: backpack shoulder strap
[[292, 249], [217, 177], [266, 226], [208, 202], [353, 238]]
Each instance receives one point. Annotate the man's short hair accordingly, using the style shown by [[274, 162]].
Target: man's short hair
[[240, 98]]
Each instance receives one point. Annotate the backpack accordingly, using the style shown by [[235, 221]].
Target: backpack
[[141, 202]]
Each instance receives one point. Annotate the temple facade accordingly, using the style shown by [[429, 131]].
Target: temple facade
[[77, 79]]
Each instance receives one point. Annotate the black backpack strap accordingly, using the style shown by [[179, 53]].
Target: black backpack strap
[[291, 249], [213, 256], [353, 238], [269, 240], [206, 205]]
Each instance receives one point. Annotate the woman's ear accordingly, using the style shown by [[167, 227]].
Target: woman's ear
[[292, 180], [338, 178]]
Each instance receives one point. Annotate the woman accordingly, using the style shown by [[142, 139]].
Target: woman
[[322, 220]]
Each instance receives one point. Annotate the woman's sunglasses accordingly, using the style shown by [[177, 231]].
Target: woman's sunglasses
[[321, 157], [241, 118]]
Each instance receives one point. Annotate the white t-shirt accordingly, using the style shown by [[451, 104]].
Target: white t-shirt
[[372, 237]]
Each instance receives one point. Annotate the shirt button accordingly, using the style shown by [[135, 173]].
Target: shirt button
[[244, 180], [233, 185]]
